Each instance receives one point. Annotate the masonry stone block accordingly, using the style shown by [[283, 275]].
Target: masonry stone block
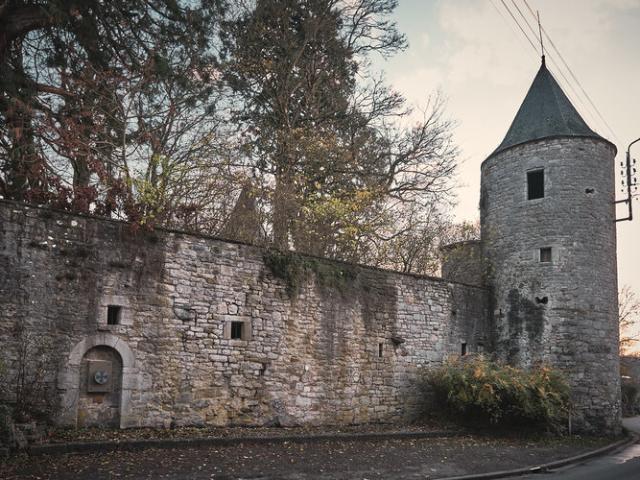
[[310, 358]]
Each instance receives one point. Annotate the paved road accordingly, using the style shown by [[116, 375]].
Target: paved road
[[622, 465]]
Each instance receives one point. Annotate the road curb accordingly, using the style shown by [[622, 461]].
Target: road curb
[[629, 440], [110, 446]]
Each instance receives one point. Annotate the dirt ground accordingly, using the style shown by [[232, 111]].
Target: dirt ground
[[64, 435], [357, 459]]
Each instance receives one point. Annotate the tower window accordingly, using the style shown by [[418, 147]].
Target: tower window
[[113, 314], [379, 350], [545, 255], [535, 184], [236, 330]]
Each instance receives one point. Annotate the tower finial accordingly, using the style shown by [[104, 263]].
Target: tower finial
[[540, 33]]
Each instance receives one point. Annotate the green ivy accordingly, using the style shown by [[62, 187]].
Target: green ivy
[[296, 270]]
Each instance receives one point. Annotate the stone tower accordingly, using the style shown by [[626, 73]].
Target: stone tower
[[549, 239]]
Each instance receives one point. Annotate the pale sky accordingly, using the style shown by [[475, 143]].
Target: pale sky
[[483, 64]]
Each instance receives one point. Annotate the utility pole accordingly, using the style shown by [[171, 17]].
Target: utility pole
[[631, 182]]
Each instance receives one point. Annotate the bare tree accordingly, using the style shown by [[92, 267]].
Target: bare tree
[[28, 379], [629, 317], [331, 140]]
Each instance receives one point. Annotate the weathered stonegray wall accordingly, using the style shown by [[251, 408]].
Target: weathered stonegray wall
[[464, 262], [563, 312], [325, 355]]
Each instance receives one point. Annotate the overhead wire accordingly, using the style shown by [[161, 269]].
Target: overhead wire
[[519, 26], [548, 37], [588, 107], [533, 32], [533, 45], [574, 96], [506, 21]]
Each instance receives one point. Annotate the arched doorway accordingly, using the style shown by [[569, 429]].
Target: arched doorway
[[100, 388], [73, 382]]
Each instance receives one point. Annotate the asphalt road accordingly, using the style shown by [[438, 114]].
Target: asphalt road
[[622, 465]]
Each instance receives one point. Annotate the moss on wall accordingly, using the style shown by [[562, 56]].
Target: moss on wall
[[295, 270]]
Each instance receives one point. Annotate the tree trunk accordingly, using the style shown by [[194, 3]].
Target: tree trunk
[[23, 170], [281, 211]]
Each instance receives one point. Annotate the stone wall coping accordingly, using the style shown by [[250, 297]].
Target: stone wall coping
[[23, 205], [461, 243]]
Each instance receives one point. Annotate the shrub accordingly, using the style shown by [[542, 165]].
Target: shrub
[[26, 381], [476, 389], [630, 398]]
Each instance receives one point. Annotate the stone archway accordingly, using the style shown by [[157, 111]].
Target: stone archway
[[95, 348], [100, 388]]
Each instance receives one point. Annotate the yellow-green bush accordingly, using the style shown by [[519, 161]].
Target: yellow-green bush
[[476, 389]]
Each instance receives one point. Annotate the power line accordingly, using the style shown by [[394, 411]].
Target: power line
[[519, 26], [574, 96], [533, 32], [559, 69], [525, 19], [522, 44], [573, 75]]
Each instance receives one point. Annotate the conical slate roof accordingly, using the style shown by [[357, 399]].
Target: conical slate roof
[[545, 112]]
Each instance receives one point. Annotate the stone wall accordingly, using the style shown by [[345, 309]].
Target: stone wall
[[464, 262], [564, 311], [347, 351]]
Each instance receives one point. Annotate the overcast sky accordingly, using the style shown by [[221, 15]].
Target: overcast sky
[[480, 60]]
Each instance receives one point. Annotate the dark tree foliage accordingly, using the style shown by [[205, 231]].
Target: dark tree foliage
[[67, 69], [295, 67], [294, 74], [345, 175], [258, 120]]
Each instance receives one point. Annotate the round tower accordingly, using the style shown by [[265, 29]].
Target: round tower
[[549, 239]]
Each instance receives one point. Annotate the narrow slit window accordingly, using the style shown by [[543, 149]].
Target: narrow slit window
[[113, 314], [463, 349], [237, 330], [535, 184], [545, 255], [379, 350]]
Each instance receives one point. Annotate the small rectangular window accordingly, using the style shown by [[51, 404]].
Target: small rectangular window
[[535, 184], [463, 349], [113, 314], [380, 350], [236, 330], [545, 255]]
